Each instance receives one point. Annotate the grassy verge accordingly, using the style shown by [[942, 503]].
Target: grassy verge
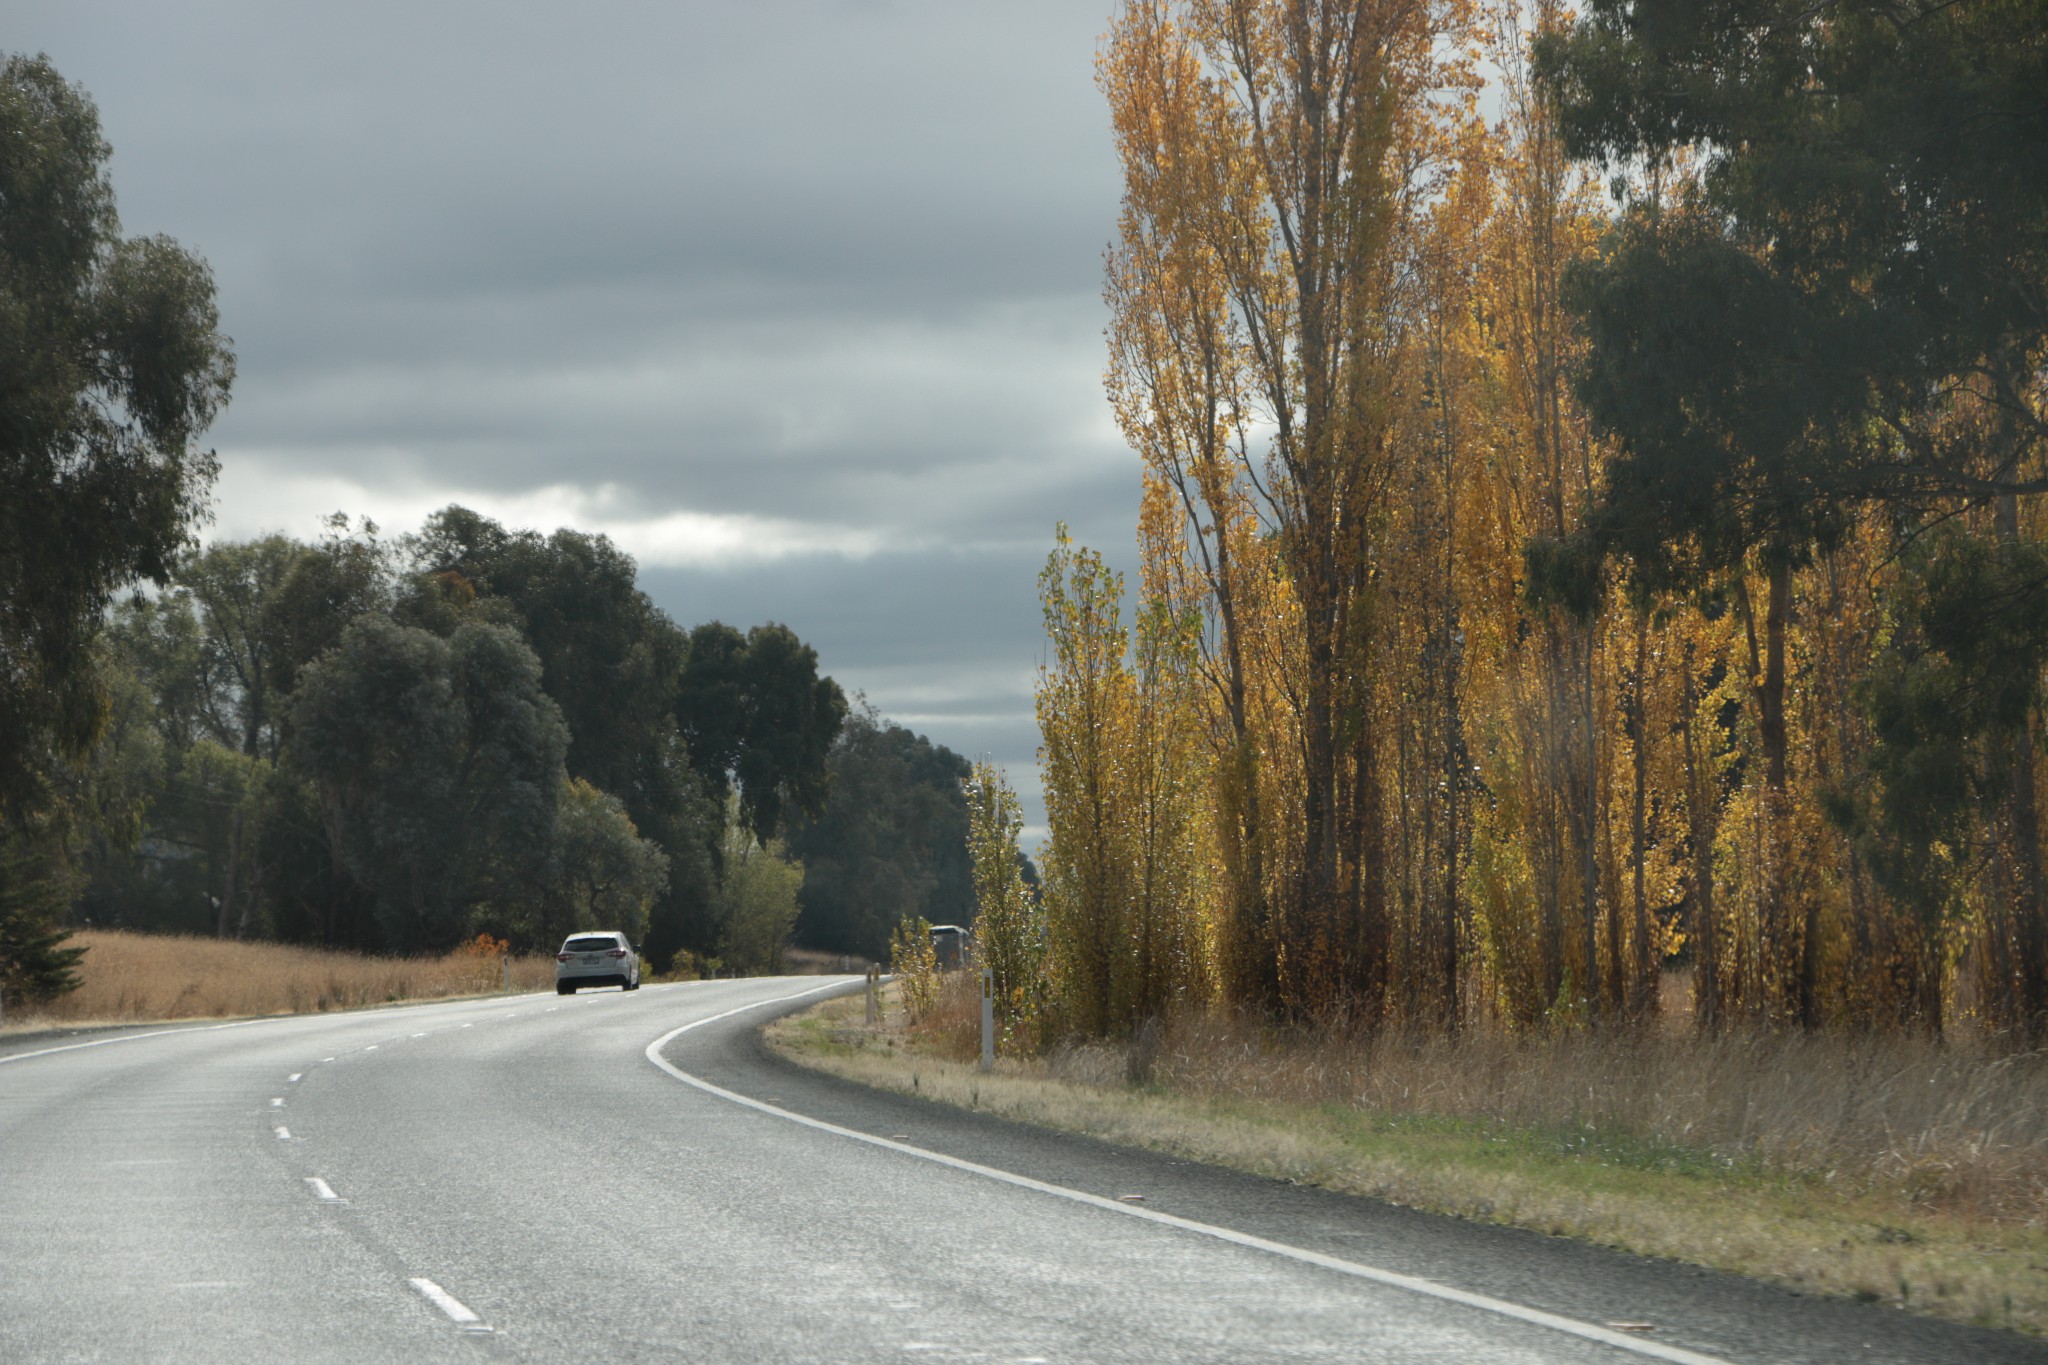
[[1853, 1230], [145, 978]]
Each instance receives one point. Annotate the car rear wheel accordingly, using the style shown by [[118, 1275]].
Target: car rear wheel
[[564, 988]]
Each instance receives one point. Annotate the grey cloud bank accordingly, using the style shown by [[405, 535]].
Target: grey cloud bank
[[797, 301]]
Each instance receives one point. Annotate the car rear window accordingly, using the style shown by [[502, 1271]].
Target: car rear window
[[589, 945]]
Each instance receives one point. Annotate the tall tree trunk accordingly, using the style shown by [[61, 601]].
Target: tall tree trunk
[[2023, 816], [1774, 971], [1702, 819], [1454, 781], [1253, 978], [1316, 914], [1374, 935], [1642, 992], [1770, 694], [227, 898], [1589, 874]]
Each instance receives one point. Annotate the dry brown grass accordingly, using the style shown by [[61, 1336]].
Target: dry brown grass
[[812, 962], [133, 978], [1883, 1168], [1957, 1126]]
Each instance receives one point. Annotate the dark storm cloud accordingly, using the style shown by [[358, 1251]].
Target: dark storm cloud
[[798, 301]]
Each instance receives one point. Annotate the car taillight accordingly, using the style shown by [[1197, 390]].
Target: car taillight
[[616, 952], [565, 957]]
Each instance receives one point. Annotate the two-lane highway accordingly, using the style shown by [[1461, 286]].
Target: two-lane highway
[[546, 1178]]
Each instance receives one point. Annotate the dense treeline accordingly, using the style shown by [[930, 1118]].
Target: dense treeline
[[392, 746], [1597, 536], [890, 843]]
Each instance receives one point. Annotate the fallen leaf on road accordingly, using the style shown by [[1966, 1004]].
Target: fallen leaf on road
[[1131, 1198], [1633, 1326]]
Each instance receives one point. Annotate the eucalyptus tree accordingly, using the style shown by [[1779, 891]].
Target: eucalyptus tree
[[890, 841], [759, 720], [438, 768], [111, 365], [612, 661]]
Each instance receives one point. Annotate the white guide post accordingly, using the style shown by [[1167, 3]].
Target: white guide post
[[988, 1019]]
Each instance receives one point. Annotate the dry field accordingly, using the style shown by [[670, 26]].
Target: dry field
[[811, 962], [131, 978], [1889, 1169]]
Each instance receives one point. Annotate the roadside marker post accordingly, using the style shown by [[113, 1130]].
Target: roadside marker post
[[988, 1019], [508, 973], [874, 998]]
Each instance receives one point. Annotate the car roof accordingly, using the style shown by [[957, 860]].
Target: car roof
[[597, 933]]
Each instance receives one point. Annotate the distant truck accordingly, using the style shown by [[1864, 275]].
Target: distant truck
[[949, 946]]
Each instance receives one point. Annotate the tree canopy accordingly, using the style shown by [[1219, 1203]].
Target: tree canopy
[[759, 720], [890, 841], [438, 765], [1844, 228], [111, 366], [349, 742]]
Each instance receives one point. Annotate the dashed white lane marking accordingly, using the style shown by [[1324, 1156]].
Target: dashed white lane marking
[[283, 1134], [293, 1079], [277, 1101], [322, 1189], [457, 1311], [327, 1059], [371, 1048], [1414, 1284], [419, 1035], [469, 1025]]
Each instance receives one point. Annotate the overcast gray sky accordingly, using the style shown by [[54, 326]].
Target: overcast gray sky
[[797, 301]]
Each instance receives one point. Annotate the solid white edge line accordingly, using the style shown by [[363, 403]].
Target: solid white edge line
[[237, 1023], [138, 1037], [456, 1311], [1587, 1331]]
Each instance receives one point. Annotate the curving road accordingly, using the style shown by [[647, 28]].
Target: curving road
[[539, 1178]]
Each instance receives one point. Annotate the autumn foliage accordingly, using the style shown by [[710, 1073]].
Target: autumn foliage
[[1406, 720]]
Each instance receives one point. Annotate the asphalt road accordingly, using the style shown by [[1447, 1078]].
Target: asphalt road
[[632, 1176]]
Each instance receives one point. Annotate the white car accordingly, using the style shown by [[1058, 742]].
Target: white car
[[603, 958]]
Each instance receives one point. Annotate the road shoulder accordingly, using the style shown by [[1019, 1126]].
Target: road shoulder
[[1701, 1309]]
